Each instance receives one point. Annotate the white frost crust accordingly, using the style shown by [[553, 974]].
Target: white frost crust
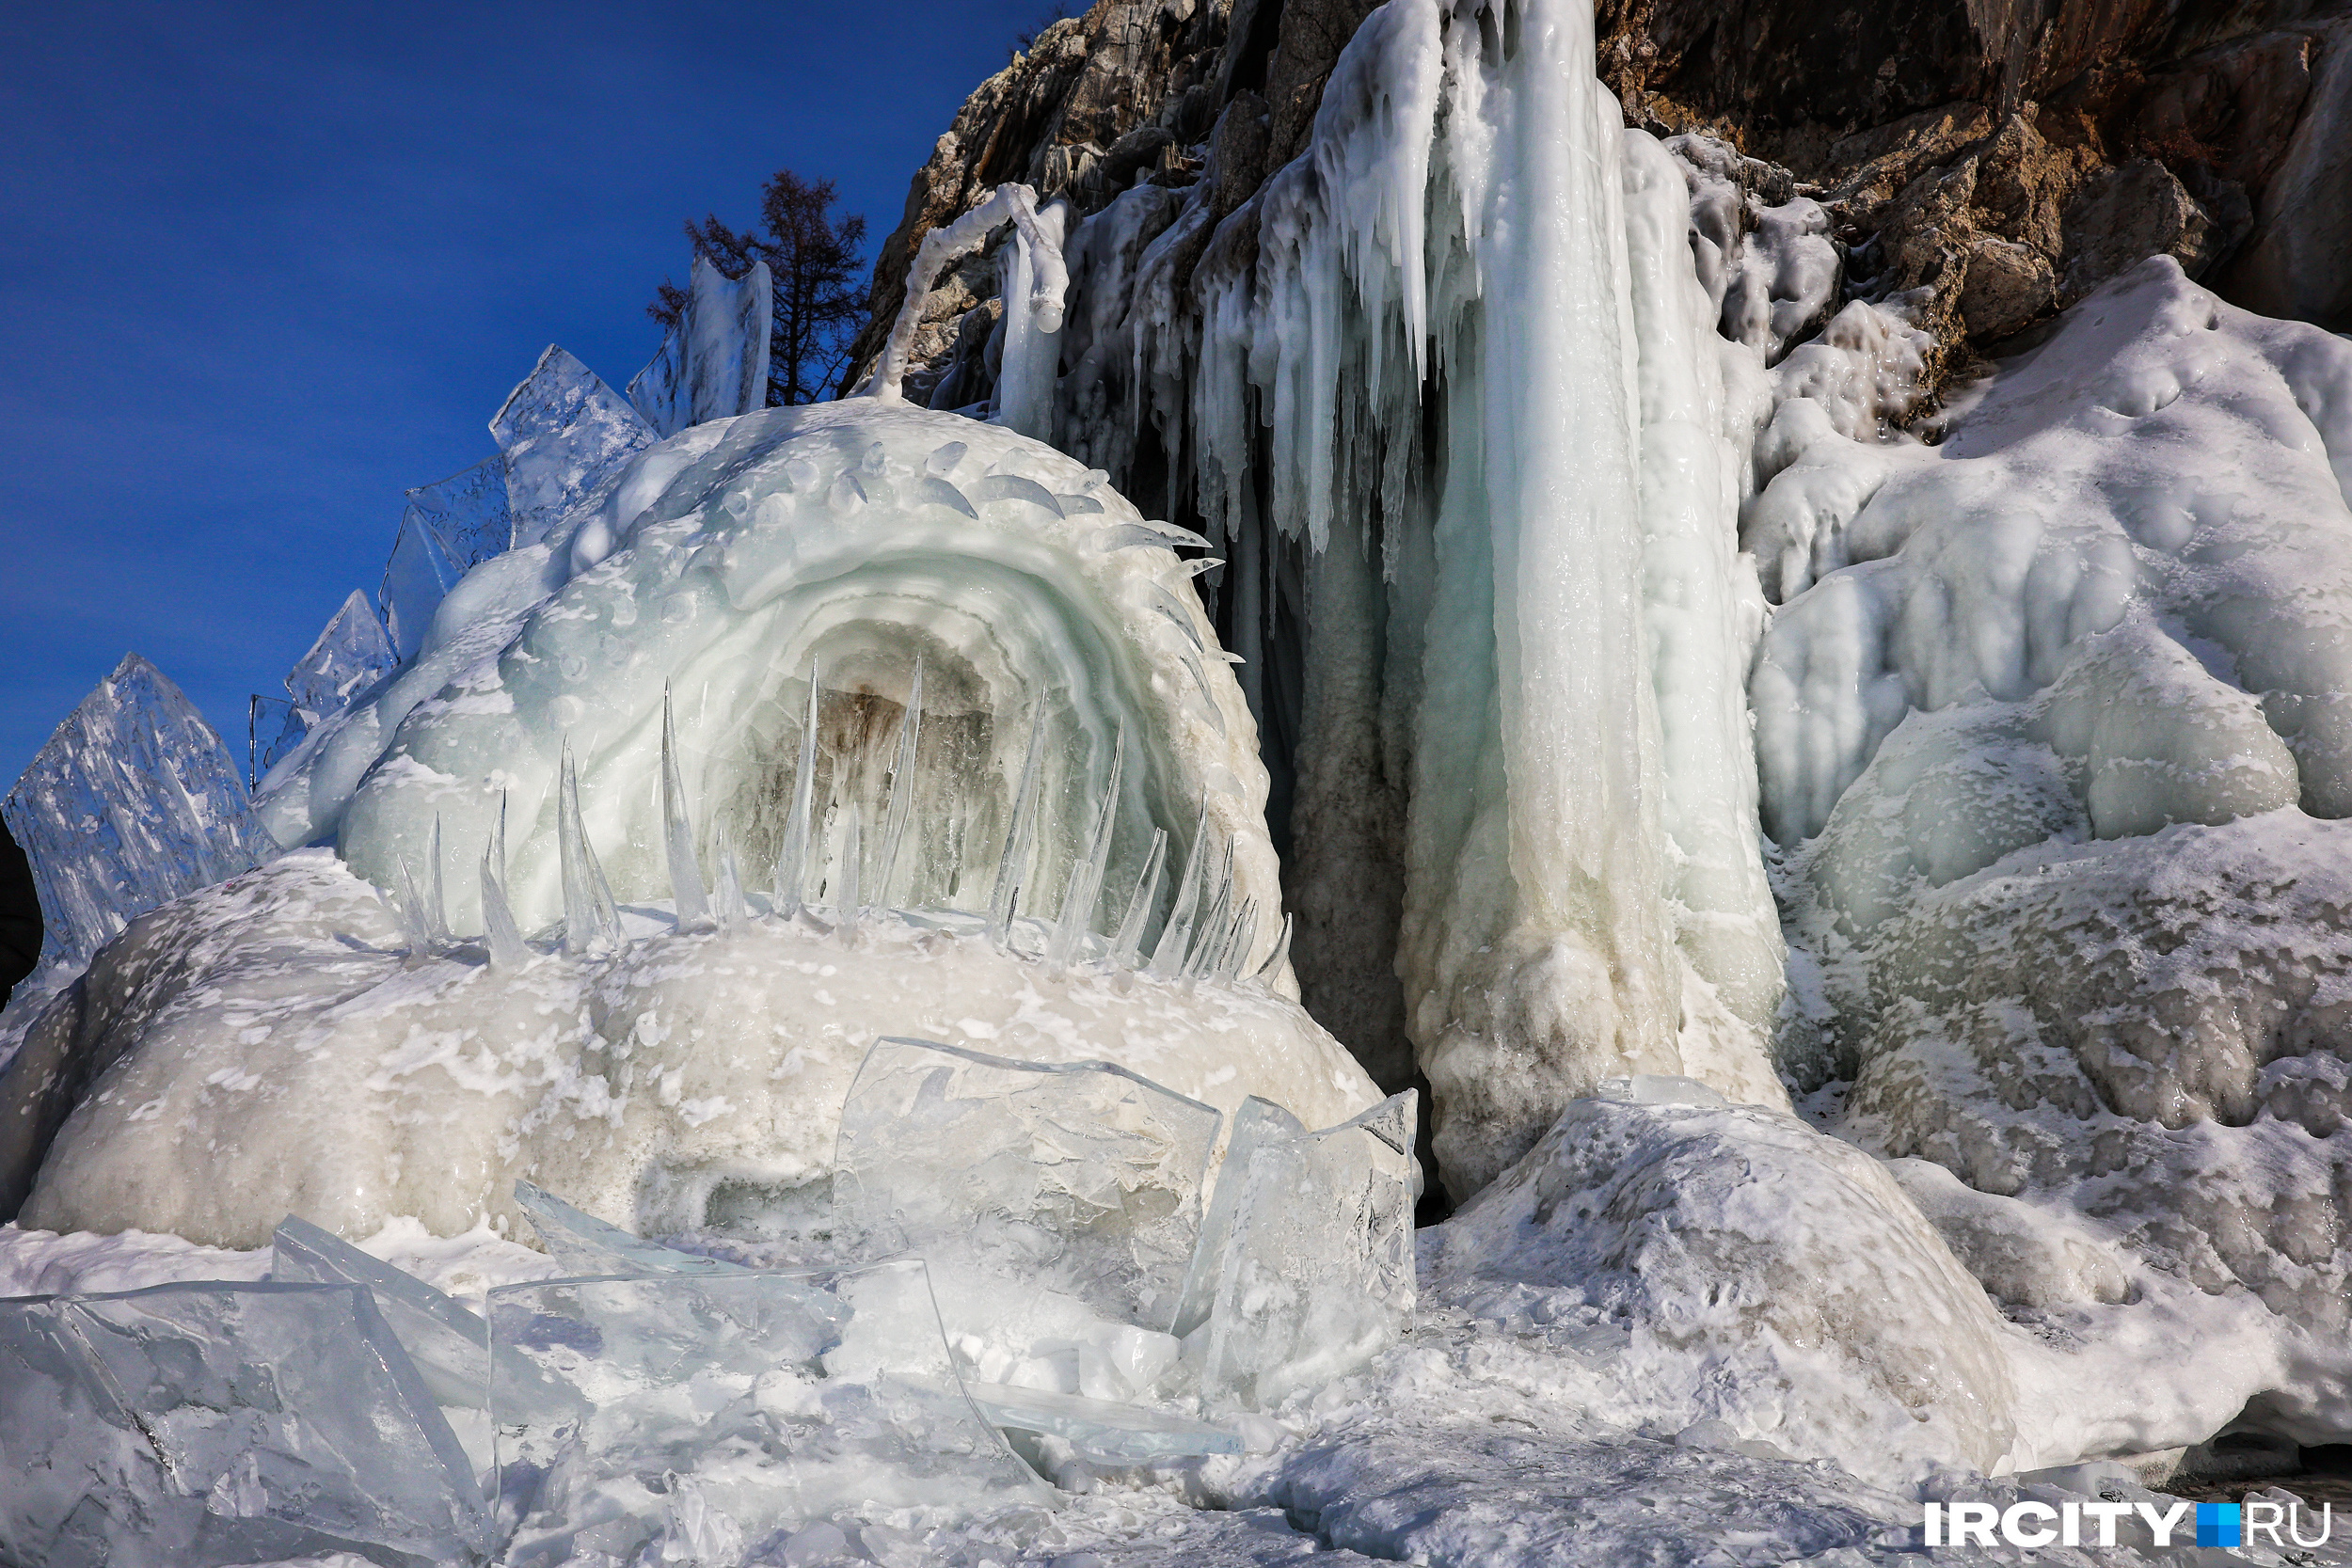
[[285, 1056]]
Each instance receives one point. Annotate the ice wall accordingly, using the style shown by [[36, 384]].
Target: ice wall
[[1452, 396], [131, 803]]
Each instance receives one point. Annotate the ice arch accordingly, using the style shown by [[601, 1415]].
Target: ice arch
[[863, 540]]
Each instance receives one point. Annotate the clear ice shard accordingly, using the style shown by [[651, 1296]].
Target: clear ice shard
[[1168, 957], [1127, 946], [1086, 883], [901, 791], [416, 578], [727, 342], [658, 392], [449, 1345], [133, 801], [792, 861], [1257, 1123], [1108, 1432], [1318, 1272], [1013, 868], [217, 1423], [1081, 1177], [469, 510], [726, 1410], [501, 933], [273, 728], [561, 434], [351, 655]]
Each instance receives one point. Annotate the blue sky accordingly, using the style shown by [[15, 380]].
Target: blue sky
[[267, 266]]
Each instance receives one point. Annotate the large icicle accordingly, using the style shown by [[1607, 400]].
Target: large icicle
[[793, 864], [677, 829], [901, 792]]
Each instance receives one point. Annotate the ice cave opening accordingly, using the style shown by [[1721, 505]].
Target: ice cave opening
[[822, 987]]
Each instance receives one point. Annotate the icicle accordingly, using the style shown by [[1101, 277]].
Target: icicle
[[727, 904], [1271, 970], [1213, 925], [500, 932], [1127, 947], [678, 830], [901, 796], [792, 865], [1013, 867], [1168, 959], [845, 901], [591, 922], [409, 906], [1086, 879], [1238, 943], [437, 900]]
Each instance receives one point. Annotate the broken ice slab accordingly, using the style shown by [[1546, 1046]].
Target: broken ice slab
[[587, 1245], [133, 802], [1317, 1274], [418, 576], [1257, 1123], [561, 434], [448, 1344], [1081, 1177], [1105, 1432], [351, 655], [469, 510], [713, 364], [728, 1410], [658, 392], [273, 728], [217, 1423]]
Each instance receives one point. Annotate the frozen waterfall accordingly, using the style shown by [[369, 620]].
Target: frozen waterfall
[[1449, 397]]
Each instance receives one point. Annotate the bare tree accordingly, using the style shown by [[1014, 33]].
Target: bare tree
[[813, 258]]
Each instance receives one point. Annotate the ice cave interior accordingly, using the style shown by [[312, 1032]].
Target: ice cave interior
[[819, 985]]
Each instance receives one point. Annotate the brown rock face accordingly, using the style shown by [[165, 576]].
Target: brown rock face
[[2012, 156], [1152, 89]]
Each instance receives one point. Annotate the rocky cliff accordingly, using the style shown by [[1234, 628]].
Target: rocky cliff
[[2008, 157]]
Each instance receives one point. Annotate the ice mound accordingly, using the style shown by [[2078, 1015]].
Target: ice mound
[[275, 1047], [1771, 1278], [2053, 722]]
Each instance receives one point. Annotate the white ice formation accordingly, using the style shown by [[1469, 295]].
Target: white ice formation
[[1584, 593], [1523, 604]]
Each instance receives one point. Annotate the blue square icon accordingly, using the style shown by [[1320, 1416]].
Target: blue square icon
[[2221, 1525]]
